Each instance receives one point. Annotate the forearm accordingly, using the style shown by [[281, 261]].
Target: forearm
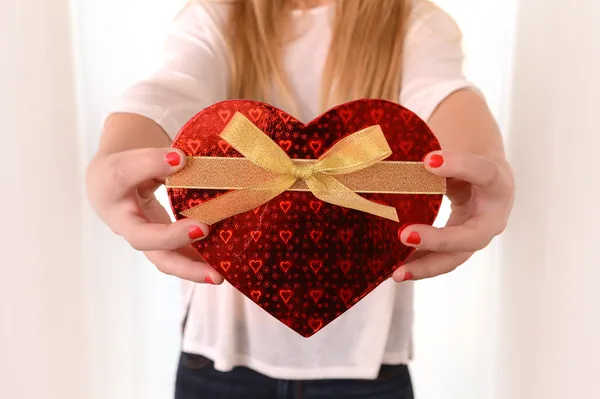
[[463, 122], [124, 132]]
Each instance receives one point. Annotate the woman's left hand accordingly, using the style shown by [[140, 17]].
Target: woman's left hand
[[481, 192]]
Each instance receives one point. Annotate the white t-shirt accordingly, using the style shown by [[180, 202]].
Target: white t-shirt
[[222, 324]]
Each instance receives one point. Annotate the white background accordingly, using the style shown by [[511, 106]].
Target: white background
[[83, 316]]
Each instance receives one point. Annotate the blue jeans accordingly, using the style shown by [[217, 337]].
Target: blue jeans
[[198, 379]]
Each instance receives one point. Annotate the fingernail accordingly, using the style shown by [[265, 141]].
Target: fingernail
[[195, 232], [407, 276], [436, 160], [209, 280], [173, 158], [401, 229], [414, 238]]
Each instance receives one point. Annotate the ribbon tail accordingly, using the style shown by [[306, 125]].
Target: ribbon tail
[[329, 189], [239, 201]]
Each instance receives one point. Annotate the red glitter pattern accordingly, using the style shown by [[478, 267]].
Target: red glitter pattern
[[302, 260]]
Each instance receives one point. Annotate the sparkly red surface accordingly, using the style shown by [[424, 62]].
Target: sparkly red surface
[[302, 260]]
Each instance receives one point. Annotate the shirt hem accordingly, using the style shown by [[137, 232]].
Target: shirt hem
[[396, 358], [270, 371]]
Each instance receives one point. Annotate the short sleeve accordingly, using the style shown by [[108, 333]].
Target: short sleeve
[[433, 60], [193, 74]]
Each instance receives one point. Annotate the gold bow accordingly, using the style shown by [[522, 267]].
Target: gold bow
[[267, 171]]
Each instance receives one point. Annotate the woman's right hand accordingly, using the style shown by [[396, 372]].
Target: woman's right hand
[[121, 188]]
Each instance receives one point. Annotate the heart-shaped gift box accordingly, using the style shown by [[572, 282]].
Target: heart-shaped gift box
[[301, 258]]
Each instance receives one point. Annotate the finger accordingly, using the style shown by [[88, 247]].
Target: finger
[[145, 236], [418, 254], [147, 189], [431, 265], [474, 234], [134, 167], [473, 168], [179, 265]]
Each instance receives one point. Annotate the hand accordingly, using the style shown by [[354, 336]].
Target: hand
[[481, 192], [121, 190]]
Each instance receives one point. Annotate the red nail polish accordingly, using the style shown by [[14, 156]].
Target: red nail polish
[[195, 232], [173, 158], [414, 238], [408, 276], [436, 160], [208, 280]]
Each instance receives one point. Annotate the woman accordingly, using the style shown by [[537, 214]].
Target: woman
[[303, 57]]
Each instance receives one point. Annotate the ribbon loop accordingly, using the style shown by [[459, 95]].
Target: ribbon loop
[[355, 152]]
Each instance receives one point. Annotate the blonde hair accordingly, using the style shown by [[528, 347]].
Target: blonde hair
[[364, 59]]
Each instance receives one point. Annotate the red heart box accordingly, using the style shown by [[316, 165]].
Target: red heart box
[[302, 260]]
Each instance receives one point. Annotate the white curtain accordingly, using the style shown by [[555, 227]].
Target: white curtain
[[549, 325], [84, 316], [42, 343]]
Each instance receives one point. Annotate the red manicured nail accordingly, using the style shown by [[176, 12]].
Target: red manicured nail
[[408, 276], [173, 158], [208, 280], [195, 232], [414, 238], [436, 160]]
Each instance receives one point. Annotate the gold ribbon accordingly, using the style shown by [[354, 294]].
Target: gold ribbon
[[266, 171]]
